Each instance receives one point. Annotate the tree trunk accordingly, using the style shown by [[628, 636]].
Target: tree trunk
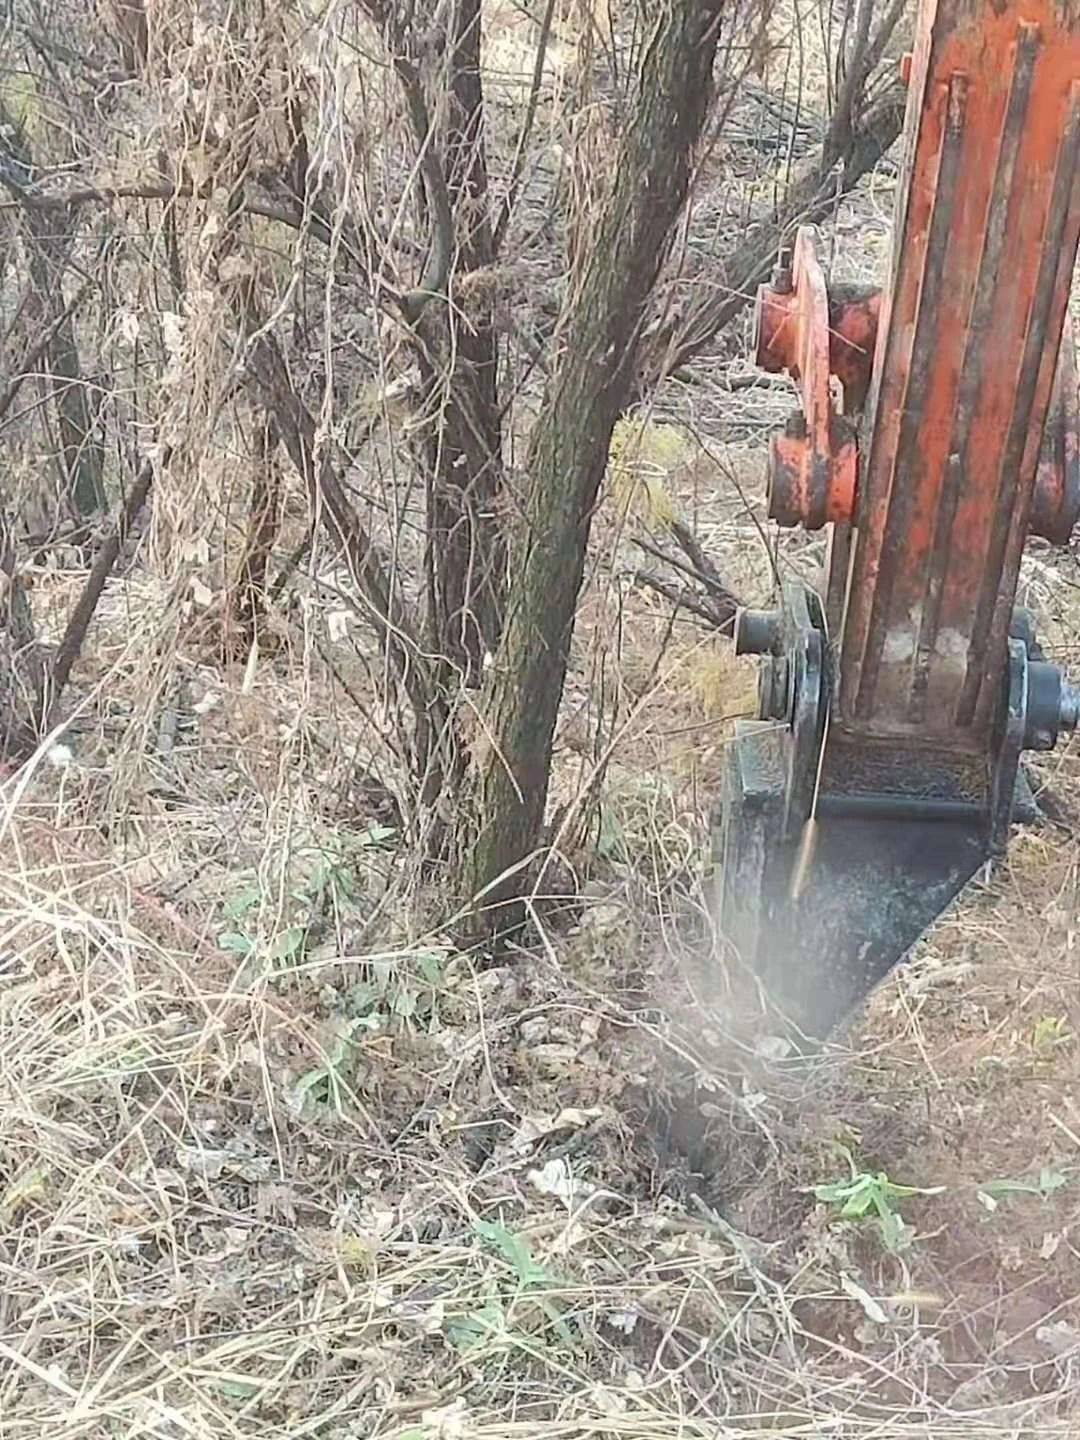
[[600, 329], [248, 602], [82, 453], [80, 456], [467, 551]]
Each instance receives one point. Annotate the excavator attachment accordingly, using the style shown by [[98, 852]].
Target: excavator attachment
[[938, 430]]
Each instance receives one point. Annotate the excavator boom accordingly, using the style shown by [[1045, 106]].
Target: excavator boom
[[884, 767]]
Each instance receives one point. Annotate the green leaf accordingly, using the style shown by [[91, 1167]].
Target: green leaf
[[431, 969], [468, 1331], [313, 1081], [856, 1197], [893, 1191], [322, 876], [26, 1190], [611, 842], [383, 972], [365, 1022], [403, 1003], [896, 1233], [289, 943], [237, 943], [236, 1389], [361, 998], [1043, 1184], [343, 884], [334, 878], [833, 1193], [865, 1194], [241, 903], [554, 1314], [515, 1249], [19, 95], [1049, 1033]]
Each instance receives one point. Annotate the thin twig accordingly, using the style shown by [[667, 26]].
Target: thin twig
[[683, 598], [24, 369], [437, 270], [811, 198], [292, 214], [71, 642], [292, 563], [707, 572], [517, 169], [716, 589]]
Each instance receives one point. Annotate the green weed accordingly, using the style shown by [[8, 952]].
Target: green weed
[[873, 1196]]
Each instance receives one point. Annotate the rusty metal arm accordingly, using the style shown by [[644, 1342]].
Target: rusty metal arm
[[938, 429]]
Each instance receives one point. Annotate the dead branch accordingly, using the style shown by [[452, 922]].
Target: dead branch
[[704, 568], [293, 561], [21, 669], [811, 198], [71, 642], [517, 168], [716, 592], [248, 600], [395, 625], [24, 368], [684, 598], [437, 270], [328, 498], [290, 213]]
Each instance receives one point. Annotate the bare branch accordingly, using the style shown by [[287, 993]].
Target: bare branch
[[437, 270], [717, 593], [811, 198], [517, 169], [389, 615], [289, 213], [683, 598], [704, 568], [71, 642], [25, 367]]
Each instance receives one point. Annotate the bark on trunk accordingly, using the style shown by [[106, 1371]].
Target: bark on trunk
[[81, 449], [80, 456], [249, 594], [467, 552], [568, 453]]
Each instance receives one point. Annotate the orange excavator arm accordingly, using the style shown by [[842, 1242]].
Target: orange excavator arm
[[938, 430]]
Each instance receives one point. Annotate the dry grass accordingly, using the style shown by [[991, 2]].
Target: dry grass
[[347, 1193], [324, 1188]]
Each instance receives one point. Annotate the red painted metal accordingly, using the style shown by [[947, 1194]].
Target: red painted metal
[[813, 465], [905, 725], [853, 325], [967, 342], [853, 314]]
